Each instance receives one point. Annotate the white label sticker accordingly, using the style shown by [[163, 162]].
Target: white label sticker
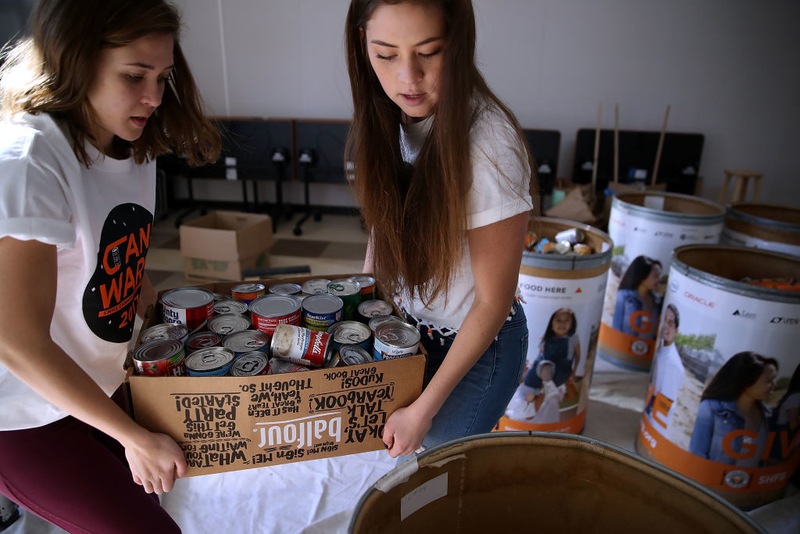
[[230, 162], [423, 495], [230, 174]]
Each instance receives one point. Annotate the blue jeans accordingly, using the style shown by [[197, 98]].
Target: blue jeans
[[480, 399]]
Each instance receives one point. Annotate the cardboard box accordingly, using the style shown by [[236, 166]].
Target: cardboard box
[[231, 423], [222, 244]]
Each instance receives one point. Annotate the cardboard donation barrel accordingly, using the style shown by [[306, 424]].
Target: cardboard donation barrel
[[765, 226], [539, 482], [723, 406], [563, 298], [646, 227]]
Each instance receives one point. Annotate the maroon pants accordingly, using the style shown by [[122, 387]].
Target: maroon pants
[[76, 477]]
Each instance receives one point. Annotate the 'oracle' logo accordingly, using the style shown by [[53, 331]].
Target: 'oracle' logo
[[699, 300]]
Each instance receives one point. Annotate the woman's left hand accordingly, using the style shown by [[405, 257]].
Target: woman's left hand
[[404, 431]]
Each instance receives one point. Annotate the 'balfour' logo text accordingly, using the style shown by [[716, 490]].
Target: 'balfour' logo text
[[305, 432]]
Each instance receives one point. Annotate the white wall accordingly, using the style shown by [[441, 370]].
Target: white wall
[[729, 68]]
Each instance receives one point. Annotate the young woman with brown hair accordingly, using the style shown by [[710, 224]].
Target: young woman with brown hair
[[444, 179], [88, 101]]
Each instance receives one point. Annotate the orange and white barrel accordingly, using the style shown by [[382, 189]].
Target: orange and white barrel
[[563, 298], [765, 226], [723, 406], [646, 227]]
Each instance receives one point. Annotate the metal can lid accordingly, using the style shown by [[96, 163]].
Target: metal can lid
[[315, 286], [220, 296], [354, 355], [344, 287], [397, 335], [165, 331], [187, 297], [202, 340], [349, 332], [157, 350], [323, 303], [371, 308], [209, 359], [364, 280], [246, 341], [380, 319], [229, 305], [228, 323], [275, 305], [248, 288], [286, 288], [250, 364]]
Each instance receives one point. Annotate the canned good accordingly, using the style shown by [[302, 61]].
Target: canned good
[[268, 311], [228, 324], [322, 311], [202, 340], [279, 367], [367, 284], [315, 286], [380, 319], [213, 361], [393, 340], [246, 341], [160, 357], [354, 355], [192, 306], [300, 345], [351, 333], [165, 331], [229, 305], [286, 288], [371, 308], [250, 364], [350, 292], [247, 293], [220, 296], [571, 236]]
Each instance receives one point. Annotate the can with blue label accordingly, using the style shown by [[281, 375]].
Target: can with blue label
[[351, 333], [213, 361], [322, 311]]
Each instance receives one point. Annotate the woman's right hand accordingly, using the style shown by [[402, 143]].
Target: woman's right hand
[[155, 461]]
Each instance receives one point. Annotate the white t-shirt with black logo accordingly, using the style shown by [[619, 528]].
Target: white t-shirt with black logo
[[500, 190], [100, 219]]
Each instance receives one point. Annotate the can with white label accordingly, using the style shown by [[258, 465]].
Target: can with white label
[[394, 340], [213, 361], [302, 346], [765, 226]]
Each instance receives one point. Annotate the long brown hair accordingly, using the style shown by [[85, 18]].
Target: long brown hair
[[740, 372], [51, 72], [417, 217]]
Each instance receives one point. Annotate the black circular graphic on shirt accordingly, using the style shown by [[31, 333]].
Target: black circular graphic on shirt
[[111, 296]]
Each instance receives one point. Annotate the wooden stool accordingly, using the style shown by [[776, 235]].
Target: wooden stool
[[740, 187]]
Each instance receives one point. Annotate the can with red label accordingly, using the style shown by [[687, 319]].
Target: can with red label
[[202, 340], [228, 324], [248, 292], [279, 367], [192, 306], [247, 341], [160, 357], [268, 311], [213, 361], [165, 331], [250, 364], [300, 345]]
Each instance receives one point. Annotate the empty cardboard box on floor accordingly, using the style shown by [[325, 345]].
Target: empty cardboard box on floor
[[223, 244], [231, 423]]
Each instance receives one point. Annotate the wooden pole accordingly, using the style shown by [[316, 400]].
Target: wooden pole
[[616, 143], [660, 146], [596, 146]]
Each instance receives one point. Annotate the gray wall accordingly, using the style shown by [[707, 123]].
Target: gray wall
[[729, 68]]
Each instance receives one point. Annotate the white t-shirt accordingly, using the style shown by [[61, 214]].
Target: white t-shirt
[[500, 190], [99, 219], [791, 402], [669, 377]]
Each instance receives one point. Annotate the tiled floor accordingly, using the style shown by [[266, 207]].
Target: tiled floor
[[334, 245]]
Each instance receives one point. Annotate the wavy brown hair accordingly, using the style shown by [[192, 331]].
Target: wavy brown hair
[[51, 71], [417, 217]]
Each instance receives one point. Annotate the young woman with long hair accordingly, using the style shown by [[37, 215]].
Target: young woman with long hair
[[444, 180], [88, 101]]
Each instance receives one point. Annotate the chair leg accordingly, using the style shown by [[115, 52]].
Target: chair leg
[[724, 192], [740, 190]]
